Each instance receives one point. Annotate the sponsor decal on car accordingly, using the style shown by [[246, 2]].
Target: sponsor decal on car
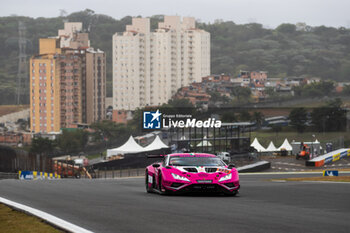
[[224, 170]]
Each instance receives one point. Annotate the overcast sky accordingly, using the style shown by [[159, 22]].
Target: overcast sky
[[270, 13]]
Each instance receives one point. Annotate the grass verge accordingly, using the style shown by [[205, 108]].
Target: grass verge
[[13, 221]]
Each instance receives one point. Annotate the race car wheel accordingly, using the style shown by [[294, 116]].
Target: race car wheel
[[148, 189]]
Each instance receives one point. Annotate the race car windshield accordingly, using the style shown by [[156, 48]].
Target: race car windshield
[[195, 161]]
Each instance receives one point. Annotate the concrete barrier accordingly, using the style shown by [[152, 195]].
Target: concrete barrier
[[255, 167], [328, 158]]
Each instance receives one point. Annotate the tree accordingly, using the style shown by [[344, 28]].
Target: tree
[[286, 28], [298, 119], [72, 141], [242, 94], [178, 106], [42, 146], [244, 116], [330, 117], [346, 90], [106, 130], [258, 117], [229, 117]]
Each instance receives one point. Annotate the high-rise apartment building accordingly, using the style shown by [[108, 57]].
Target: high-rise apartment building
[[68, 82], [149, 67]]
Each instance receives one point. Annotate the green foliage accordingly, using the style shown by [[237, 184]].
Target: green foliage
[[346, 90], [330, 117], [72, 141], [228, 117], [178, 106], [245, 116], [242, 94], [286, 28], [258, 118], [217, 97], [42, 146], [106, 130], [318, 89], [298, 119]]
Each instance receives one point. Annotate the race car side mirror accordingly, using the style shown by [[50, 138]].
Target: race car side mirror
[[156, 165], [230, 166]]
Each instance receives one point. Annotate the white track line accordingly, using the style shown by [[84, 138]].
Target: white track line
[[45, 216]]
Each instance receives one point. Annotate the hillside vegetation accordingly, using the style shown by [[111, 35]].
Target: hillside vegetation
[[288, 50]]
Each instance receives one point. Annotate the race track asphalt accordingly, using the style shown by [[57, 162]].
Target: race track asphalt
[[122, 205]]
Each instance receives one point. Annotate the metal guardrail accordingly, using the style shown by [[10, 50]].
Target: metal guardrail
[[7, 175]]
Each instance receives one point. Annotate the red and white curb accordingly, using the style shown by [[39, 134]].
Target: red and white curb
[[60, 223]]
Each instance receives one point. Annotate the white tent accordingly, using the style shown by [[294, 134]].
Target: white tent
[[285, 145], [204, 143], [257, 146], [157, 144], [271, 147], [129, 147]]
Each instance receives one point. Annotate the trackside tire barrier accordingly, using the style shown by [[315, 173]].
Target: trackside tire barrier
[[328, 158], [255, 167]]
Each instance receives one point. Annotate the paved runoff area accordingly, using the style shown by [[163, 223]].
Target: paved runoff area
[[122, 205]]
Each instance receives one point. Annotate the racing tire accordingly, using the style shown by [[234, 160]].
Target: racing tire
[[297, 157], [148, 189]]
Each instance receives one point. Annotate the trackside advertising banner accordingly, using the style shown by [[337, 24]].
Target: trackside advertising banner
[[34, 175]]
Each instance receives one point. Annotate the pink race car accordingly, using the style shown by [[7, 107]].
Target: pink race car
[[192, 172]]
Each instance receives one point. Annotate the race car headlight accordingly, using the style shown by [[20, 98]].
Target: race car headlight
[[178, 177], [227, 177]]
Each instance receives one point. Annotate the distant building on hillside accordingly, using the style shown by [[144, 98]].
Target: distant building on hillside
[[195, 93], [258, 76], [68, 82], [149, 67]]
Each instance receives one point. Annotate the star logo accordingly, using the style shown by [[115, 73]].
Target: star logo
[[156, 115], [151, 120]]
